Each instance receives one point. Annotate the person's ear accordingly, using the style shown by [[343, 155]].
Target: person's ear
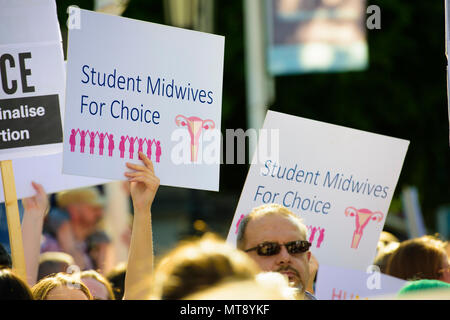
[[309, 255]]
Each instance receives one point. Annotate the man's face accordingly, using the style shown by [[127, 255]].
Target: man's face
[[89, 214], [275, 228]]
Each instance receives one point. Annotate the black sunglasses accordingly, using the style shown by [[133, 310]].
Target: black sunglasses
[[273, 248]]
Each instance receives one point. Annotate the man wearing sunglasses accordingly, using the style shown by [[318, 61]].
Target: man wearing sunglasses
[[276, 239]]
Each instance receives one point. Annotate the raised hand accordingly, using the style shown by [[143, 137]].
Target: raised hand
[[143, 186], [37, 204], [143, 183], [36, 207]]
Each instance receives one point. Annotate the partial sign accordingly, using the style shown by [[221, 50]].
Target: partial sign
[[46, 170], [334, 283], [340, 181], [137, 86], [32, 79]]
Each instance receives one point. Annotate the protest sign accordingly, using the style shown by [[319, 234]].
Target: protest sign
[[32, 85], [138, 86], [47, 171], [32, 79], [340, 181], [335, 283]]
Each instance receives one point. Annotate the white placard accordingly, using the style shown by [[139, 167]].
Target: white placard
[[46, 170], [335, 283], [340, 181], [134, 85], [32, 79]]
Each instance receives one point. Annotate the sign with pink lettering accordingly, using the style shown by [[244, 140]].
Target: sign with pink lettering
[[336, 283], [134, 86], [339, 180]]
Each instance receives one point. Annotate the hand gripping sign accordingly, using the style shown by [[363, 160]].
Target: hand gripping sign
[[194, 126]]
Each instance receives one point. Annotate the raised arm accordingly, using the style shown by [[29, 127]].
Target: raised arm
[[35, 209], [143, 186]]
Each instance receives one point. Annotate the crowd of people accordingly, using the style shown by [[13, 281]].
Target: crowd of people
[[66, 254]]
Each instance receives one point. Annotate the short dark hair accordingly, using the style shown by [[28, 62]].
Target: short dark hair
[[5, 258], [12, 287], [417, 258], [117, 279]]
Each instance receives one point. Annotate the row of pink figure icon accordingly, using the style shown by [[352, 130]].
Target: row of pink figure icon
[[312, 233], [110, 140]]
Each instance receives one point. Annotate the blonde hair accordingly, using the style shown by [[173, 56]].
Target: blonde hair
[[198, 264], [41, 289], [90, 195], [264, 286], [265, 210], [97, 276], [52, 262]]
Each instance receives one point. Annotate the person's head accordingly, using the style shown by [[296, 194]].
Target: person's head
[[420, 258], [53, 262], [420, 288], [117, 279], [12, 287], [5, 258], [61, 287], [262, 234], [199, 264], [97, 284], [385, 239], [383, 255], [85, 206]]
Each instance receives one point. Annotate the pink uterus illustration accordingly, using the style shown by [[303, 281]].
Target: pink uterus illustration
[[194, 126], [362, 218]]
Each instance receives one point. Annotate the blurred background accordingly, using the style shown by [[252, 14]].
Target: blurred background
[[382, 71]]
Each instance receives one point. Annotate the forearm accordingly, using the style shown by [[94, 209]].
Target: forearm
[[140, 257], [67, 242], [31, 235]]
